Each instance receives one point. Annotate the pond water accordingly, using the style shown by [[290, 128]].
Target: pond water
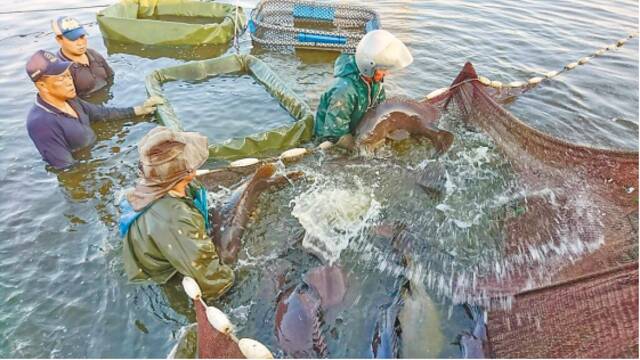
[[62, 283], [252, 108]]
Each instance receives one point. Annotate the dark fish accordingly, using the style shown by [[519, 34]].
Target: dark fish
[[299, 323], [433, 178], [396, 119], [472, 345], [235, 214], [386, 336], [329, 283]]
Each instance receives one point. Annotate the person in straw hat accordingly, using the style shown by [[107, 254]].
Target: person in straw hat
[[165, 220]]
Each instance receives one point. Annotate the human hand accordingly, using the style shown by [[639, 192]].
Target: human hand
[[346, 142], [325, 145], [148, 106]]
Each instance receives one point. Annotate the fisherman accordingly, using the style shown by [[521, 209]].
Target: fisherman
[[90, 71], [358, 85], [59, 122], [165, 221]]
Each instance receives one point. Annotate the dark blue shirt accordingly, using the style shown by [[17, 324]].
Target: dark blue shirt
[[57, 134], [92, 77]]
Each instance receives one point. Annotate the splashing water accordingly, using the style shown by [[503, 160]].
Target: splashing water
[[331, 217]]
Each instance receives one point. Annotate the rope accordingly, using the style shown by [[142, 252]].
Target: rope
[[55, 9], [236, 44], [547, 76]]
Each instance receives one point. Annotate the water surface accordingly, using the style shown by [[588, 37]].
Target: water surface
[[62, 283]]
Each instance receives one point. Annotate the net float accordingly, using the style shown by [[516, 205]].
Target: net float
[[292, 155], [571, 65], [535, 80], [244, 162], [253, 349]]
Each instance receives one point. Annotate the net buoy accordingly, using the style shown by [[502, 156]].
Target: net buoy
[[551, 74], [484, 81], [244, 162], [253, 349], [535, 80], [571, 65], [293, 154], [583, 60], [496, 84], [325, 145], [600, 52], [200, 172], [516, 84], [191, 288], [219, 320]]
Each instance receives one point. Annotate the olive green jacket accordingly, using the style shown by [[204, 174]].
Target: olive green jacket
[[342, 106], [169, 238]]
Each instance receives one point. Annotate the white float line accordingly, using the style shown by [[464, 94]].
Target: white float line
[[250, 348], [538, 79]]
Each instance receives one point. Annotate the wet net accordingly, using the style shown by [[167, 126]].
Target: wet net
[[579, 227], [582, 200], [212, 344], [286, 24], [595, 316]]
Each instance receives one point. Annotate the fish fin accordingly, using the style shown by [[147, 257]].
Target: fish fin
[[265, 171], [328, 282]]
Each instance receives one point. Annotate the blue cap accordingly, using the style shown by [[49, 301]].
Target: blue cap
[[68, 27], [45, 63]]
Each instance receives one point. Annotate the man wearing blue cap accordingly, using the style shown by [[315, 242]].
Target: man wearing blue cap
[[90, 70], [59, 122]]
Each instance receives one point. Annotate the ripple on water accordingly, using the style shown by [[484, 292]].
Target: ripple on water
[[62, 285]]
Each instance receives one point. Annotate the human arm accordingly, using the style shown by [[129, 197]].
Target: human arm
[[104, 113], [193, 254], [337, 119]]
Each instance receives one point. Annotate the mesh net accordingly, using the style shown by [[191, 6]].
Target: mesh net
[[286, 24], [580, 231], [595, 316], [212, 344], [581, 204]]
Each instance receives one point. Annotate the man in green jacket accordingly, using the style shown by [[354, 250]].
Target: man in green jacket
[[165, 218], [358, 85]]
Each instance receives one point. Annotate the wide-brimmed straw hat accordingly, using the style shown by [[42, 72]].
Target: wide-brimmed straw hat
[[166, 157]]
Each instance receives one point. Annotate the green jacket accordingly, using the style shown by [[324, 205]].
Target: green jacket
[[342, 106], [169, 237]]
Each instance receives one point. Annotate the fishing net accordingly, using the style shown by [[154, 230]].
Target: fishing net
[[212, 344], [580, 227], [582, 199], [285, 24], [595, 316]]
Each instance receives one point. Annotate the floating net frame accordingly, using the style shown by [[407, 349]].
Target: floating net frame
[[128, 22], [273, 25], [277, 139]]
